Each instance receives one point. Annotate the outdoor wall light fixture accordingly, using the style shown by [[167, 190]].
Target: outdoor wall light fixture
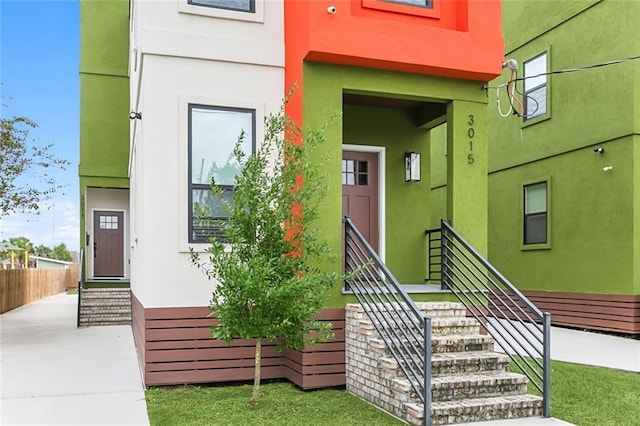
[[599, 150], [411, 167], [133, 115]]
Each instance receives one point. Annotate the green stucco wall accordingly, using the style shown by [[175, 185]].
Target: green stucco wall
[[438, 173], [593, 214], [104, 88], [408, 205], [590, 219], [104, 97]]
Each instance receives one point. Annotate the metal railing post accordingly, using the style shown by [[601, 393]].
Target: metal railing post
[[443, 256], [80, 280], [546, 365], [426, 411]]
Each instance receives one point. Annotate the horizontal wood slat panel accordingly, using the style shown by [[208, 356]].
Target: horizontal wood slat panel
[[137, 326], [608, 312], [211, 365], [177, 323], [206, 354], [338, 367], [210, 376], [316, 381], [199, 312], [583, 296], [178, 348]]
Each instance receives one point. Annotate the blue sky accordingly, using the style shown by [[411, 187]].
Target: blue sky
[[39, 60]]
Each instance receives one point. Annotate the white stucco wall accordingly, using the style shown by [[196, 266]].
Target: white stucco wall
[[187, 58], [106, 200]]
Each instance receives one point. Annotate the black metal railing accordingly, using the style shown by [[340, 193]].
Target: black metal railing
[[80, 281], [398, 320], [434, 251], [514, 322]]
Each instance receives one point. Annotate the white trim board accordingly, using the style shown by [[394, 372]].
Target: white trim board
[[382, 188]]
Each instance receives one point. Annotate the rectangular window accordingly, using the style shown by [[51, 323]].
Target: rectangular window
[[535, 87], [213, 132], [240, 5], [535, 213], [418, 3]]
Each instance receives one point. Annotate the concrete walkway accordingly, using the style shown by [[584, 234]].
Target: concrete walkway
[[597, 349], [52, 373]]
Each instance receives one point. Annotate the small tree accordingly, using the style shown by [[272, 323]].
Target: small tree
[[61, 252], [25, 168], [269, 264]]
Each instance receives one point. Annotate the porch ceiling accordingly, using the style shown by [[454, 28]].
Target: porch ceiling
[[424, 114]]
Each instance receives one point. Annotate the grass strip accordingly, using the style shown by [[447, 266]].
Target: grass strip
[[280, 404]]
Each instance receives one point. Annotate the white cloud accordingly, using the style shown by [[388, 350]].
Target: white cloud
[[58, 222]]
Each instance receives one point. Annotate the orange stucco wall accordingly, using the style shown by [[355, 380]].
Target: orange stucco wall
[[456, 38]]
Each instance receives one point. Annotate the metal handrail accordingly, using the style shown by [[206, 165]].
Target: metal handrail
[[434, 247], [80, 281], [404, 328], [515, 323]]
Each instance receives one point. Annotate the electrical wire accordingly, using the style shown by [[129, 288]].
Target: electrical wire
[[584, 68], [511, 87], [568, 70]]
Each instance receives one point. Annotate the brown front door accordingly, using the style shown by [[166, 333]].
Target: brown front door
[[108, 244], [360, 193]]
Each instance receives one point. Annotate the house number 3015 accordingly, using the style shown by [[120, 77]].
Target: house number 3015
[[470, 133]]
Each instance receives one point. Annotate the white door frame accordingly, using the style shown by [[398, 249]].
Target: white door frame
[[381, 151], [124, 244]]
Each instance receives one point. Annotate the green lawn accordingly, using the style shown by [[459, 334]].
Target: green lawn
[[581, 395], [280, 404], [587, 396]]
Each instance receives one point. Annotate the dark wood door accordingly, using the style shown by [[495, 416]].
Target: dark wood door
[[360, 193], [108, 244]]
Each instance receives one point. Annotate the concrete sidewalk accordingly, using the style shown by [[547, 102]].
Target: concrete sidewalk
[[602, 350], [52, 373]]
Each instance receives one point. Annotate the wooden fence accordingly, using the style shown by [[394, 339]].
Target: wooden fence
[[21, 286]]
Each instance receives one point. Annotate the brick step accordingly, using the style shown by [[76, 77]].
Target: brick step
[[468, 362], [461, 343], [454, 364], [442, 309], [105, 302], [464, 386], [105, 295], [105, 314], [478, 385], [105, 311], [446, 344], [430, 309], [104, 322], [441, 326], [457, 326], [477, 409]]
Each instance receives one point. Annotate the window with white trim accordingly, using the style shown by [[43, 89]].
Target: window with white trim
[[248, 6], [418, 3], [213, 133], [535, 87], [535, 213]]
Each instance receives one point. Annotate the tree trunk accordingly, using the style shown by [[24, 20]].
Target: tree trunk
[[256, 374]]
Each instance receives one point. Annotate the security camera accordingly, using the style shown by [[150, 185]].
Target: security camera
[[331, 9], [599, 150], [135, 115]]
